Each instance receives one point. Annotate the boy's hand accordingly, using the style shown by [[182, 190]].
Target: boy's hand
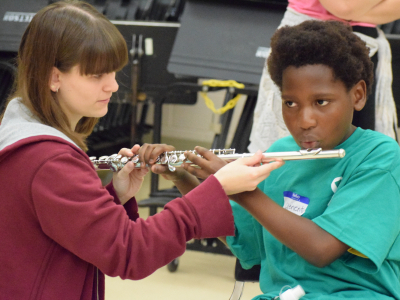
[[206, 165], [148, 155]]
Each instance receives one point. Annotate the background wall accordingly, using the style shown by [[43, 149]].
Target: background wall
[[195, 123]]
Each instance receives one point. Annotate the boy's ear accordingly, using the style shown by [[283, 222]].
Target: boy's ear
[[54, 82], [359, 94]]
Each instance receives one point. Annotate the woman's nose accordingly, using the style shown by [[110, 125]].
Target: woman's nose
[[111, 83]]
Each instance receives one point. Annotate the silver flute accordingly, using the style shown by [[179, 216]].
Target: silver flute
[[174, 159]]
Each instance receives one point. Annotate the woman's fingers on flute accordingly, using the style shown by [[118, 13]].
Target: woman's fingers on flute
[[129, 167], [245, 174], [261, 172], [129, 152], [268, 167]]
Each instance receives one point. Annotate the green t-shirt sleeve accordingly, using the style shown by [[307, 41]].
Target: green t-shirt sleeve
[[365, 215], [245, 243]]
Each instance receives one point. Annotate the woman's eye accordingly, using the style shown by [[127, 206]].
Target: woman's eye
[[290, 104], [322, 102]]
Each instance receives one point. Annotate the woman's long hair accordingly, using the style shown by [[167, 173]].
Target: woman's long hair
[[63, 35]]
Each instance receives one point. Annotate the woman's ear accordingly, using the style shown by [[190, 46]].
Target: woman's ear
[[54, 82], [359, 94]]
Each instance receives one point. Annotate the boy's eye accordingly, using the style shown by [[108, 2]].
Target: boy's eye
[[97, 75], [290, 103], [322, 102]]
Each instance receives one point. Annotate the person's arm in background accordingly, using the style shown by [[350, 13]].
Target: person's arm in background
[[368, 11]]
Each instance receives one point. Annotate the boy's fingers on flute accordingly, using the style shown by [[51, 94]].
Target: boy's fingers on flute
[[201, 158], [202, 171], [148, 153], [207, 163], [159, 169], [196, 171], [204, 152], [159, 149]]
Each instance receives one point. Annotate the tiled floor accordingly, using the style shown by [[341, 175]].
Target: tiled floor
[[200, 276]]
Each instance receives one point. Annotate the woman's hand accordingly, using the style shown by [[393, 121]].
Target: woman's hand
[[207, 164], [128, 181], [246, 173]]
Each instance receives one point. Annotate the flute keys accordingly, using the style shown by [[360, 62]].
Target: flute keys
[[135, 159], [164, 158], [173, 159], [124, 160], [182, 157], [114, 162]]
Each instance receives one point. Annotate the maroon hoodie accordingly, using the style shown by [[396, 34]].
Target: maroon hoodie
[[60, 230]]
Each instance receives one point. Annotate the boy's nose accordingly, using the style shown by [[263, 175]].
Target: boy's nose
[[307, 118]]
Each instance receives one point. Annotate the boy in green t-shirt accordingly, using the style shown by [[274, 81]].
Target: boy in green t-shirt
[[331, 226]]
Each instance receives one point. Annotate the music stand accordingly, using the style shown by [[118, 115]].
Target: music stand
[[224, 40], [227, 40]]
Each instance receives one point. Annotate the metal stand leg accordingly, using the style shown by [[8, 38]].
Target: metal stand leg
[[225, 120], [237, 290], [241, 138]]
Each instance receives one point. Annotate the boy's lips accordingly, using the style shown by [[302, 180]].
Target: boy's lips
[[309, 144]]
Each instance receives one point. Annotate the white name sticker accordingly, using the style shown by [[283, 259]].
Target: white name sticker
[[295, 203]]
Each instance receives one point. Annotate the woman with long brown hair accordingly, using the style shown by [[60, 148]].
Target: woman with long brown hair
[[60, 229]]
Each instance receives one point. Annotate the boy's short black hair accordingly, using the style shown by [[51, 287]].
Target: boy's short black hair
[[329, 43]]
